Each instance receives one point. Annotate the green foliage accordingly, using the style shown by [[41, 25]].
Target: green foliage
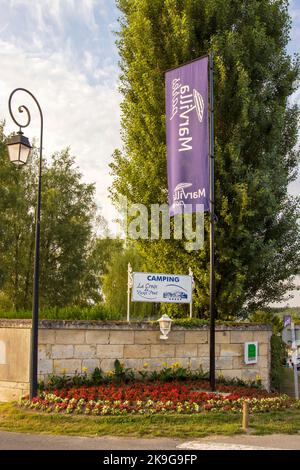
[[56, 382], [190, 322], [96, 312], [235, 381], [278, 361], [72, 258], [121, 373], [97, 376], [257, 236], [177, 372], [281, 311], [115, 284], [262, 316]]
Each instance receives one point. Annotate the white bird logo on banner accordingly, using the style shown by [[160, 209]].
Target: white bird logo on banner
[[199, 103]]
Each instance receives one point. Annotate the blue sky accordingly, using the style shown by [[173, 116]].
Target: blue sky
[[64, 52]]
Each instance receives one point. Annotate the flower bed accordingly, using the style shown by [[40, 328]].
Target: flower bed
[[157, 397]]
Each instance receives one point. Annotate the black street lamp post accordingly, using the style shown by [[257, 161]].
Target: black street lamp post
[[19, 149]]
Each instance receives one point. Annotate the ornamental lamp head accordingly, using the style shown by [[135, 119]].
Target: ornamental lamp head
[[18, 149]]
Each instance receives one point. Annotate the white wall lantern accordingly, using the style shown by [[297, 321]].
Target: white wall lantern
[[165, 326]]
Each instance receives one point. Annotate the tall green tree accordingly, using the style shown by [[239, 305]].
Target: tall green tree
[[17, 198], [257, 237], [67, 233], [67, 226]]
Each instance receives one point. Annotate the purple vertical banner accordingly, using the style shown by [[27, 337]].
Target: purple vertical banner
[[188, 136]]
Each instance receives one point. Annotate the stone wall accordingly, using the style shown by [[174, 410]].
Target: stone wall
[[76, 346], [14, 361]]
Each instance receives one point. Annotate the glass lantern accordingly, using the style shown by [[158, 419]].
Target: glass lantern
[[18, 149]]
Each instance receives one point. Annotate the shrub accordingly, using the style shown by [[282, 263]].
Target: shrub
[[278, 360], [72, 312]]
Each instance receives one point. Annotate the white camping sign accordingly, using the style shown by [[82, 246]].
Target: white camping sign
[[153, 287]]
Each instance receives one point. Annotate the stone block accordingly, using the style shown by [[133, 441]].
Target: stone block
[[263, 361], [262, 336], [241, 336], [197, 362], [266, 384], [183, 362], [186, 350], [249, 374], [45, 366], [46, 336], [97, 336], [107, 364], [136, 351], [42, 351], [222, 337], [174, 337], [224, 363], [264, 374], [162, 350], [2, 352], [10, 394], [121, 337], [69, 336], [67, 366], [19, 385], [153, 364], [135, 364], [203, 350], [90, 365], [230, 374], [110, 351], [265, 378], [230, 350], [238, 362], [146, 337], [62, 351], [15, 354], [196, 337], [263, 349], [84, 351]]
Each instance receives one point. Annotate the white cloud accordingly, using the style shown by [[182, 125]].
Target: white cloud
[[61, 50], [76, 113]]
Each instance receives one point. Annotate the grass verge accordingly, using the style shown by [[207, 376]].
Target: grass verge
[[13, 418]]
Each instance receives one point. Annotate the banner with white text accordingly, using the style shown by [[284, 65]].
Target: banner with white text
[[187, 131]]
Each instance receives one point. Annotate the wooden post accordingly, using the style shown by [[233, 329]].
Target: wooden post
[[245, 416]]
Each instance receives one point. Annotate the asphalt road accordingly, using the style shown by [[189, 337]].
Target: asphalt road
[[22, 441]]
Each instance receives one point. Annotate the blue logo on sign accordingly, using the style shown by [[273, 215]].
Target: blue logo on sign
[[175, 295]]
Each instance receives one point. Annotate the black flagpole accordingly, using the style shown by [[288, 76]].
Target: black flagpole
[[212, 364]]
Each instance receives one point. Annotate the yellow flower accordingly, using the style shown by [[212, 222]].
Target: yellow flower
[[258, 378], [165, 364], [84, 370], [64, 371], [146, 365], [175, 365], [110, 373]]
